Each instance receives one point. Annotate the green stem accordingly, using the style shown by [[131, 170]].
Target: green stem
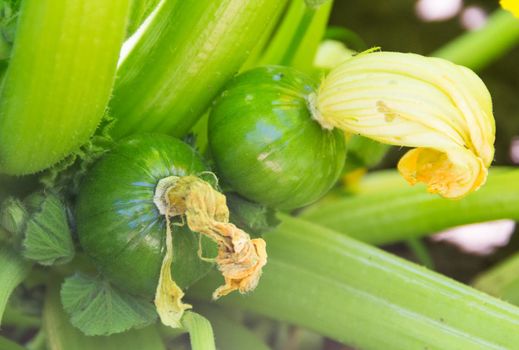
[[420, 251], [38, 342], [362, 296], [189, 51], [401, 212], [13, 270], [477, 49], [200, 331], [297, 39]]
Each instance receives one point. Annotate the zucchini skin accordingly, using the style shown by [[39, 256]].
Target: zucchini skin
[[117, 222], [266, 145]]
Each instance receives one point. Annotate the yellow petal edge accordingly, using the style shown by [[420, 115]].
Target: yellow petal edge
[[511, 5]]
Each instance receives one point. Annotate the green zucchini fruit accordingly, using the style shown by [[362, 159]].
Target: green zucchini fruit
[[59, 79], [265, 144], [119, 225]]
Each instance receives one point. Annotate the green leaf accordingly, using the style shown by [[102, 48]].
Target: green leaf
[[391, 210], [362, 296], [61, 335], [13, 270], [97, 308], [59, 79], [200, 331], [48, 239]]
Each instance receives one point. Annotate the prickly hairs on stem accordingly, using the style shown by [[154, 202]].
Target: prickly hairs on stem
[[240, 259]]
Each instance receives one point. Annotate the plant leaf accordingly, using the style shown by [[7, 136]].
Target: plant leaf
[[48, 239], [97, 308], [61, 335]]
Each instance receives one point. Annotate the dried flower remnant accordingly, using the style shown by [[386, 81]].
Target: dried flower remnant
[[442, 110], [240, 259]]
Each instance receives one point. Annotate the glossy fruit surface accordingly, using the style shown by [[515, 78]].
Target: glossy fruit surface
[[117, 222], [265, 143]]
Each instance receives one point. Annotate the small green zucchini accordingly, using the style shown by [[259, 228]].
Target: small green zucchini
[[265, 144], [118, 223], [59, 79]]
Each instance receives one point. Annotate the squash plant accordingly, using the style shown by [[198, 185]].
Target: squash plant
[[168, 168]]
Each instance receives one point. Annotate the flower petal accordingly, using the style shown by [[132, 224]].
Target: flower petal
[[451, 175], [511, 5]]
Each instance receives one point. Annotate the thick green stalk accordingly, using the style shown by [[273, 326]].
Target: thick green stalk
[[200, 331], [401, 212], [477, 49], [59, 79], [13, 270], [365, 297], [186, 55]]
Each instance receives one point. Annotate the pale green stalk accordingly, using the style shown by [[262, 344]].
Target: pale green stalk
[[479, 48], [362, 296], [399, 212]]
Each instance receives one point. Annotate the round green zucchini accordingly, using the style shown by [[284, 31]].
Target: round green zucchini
[[266, 145], [118, 223]]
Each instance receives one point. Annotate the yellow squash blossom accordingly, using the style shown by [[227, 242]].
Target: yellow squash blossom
[[511, 5], [442, 110]]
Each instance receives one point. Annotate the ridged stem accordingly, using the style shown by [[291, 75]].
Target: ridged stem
[[188, 52], [362, 296], [398, 212]]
